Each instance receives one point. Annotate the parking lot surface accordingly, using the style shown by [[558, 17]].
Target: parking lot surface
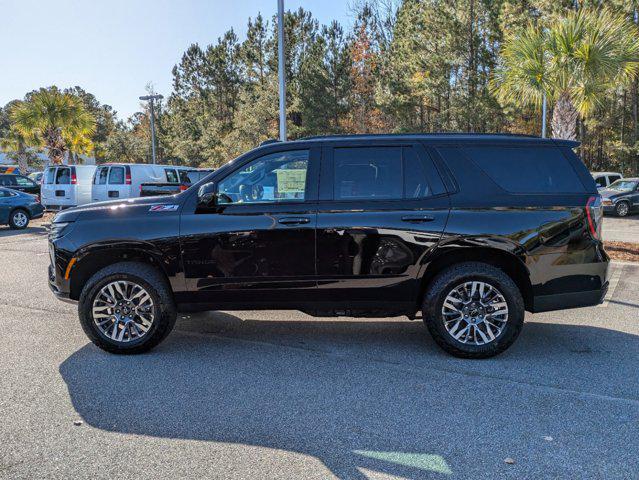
[[617, 229], [248, 395]]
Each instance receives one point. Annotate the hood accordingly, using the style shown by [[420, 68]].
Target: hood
[[113, 207], [611, 194]]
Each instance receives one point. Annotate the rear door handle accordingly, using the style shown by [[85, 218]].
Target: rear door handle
[[294, 220], [417, 218]]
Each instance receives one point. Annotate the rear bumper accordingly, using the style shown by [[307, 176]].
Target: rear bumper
[[562, 301]]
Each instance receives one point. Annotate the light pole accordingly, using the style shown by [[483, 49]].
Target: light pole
[[280, 22], [151, 99]]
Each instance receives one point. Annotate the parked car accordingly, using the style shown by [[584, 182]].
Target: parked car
[[187, 178], [18, 208], [603, 179], [622, 197], [20, 183], [67, 186], [120, 180], [469, 230], [36, 177]]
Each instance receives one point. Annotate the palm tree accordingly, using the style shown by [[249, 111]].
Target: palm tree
[[56, 121], [576, 61]]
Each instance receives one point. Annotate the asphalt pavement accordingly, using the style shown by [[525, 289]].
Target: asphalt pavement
[[270, 395], [621, 229]]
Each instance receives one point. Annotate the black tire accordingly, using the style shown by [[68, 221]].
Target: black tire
[[452, 277], [622, 209], [14, 221], [153, 282]]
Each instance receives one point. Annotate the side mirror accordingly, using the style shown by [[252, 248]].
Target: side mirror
[[207, 196]]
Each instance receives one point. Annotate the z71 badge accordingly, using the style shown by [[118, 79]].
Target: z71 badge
[[163, 208]]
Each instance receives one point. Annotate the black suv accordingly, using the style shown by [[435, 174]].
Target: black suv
[[469, 230]]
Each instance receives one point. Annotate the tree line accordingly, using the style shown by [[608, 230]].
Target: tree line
[[402, 66]]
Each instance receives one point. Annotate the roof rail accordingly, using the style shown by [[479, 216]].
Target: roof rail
[[269, 141], [417, 134]]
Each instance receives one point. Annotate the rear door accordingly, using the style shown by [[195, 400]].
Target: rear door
[[99, 190], [62, 189], [47, 190], [382, 209], [117, 185]]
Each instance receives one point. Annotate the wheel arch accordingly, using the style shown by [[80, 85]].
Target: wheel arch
[[95, 258], [511, 264]]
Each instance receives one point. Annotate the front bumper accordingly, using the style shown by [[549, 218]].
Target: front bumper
[[57, 290]]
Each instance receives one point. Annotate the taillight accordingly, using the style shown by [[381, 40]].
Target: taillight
[[594, 216], [74, 178], [183, 188], [127, 178]]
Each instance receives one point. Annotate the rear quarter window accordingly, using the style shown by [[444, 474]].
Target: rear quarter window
[[527, 169]]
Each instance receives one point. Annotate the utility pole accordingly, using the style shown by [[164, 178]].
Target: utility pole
[[151, 99], [280, 23], [544, 110]]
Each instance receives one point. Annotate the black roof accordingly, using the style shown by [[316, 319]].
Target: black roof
[[444, 137]]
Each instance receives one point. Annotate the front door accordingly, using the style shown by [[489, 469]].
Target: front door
[[382, 210], [257, 246]]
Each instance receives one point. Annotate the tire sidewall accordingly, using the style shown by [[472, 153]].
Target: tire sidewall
[[85, 310], [446, 283]]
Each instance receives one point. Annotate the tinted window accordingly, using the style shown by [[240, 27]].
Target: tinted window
[[63, 176], [600, 181], [613, 178], [7, 180], [116, 176], [368, 173], [101, 176], [527, 169], [171, 176], [415, 180], [277, 177], [49, 176]]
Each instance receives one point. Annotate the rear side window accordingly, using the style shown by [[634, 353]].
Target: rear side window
[[368, 173], [7, 181], [116, 176], [63, 176], [527, 169], [171, 175]]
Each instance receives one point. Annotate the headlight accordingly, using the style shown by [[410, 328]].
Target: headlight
[[607, 201], [58, 230]]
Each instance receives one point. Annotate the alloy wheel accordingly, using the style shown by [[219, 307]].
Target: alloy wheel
[[622, 209], [123, 311], [20, 219], [475, 313]]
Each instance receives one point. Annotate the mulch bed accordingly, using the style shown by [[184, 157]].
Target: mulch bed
[[627, 252]]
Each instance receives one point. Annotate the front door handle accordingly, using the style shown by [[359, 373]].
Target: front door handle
[[293, 220], [417, 218]]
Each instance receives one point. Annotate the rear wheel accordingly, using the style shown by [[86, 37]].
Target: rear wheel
[[127, 308], [622, 209], [473, 310], [19, 219]]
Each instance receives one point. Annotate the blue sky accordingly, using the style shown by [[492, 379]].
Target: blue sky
[[113, 48]]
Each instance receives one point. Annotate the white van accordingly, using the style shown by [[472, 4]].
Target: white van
[[603, 179], [66, 186], [122, 180]]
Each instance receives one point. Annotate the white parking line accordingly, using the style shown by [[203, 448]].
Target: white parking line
[[614, 281]]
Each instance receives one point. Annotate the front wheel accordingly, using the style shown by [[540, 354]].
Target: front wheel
[[622, 209], [127, 308], [473, 310]]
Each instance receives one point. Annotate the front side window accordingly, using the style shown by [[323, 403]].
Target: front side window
[[600, 181], [613, 178], [116, 176], [63, 176], [624, 185], [367, 173], [274, 178]]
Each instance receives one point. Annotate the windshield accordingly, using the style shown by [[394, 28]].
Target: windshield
[[623, 185]]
